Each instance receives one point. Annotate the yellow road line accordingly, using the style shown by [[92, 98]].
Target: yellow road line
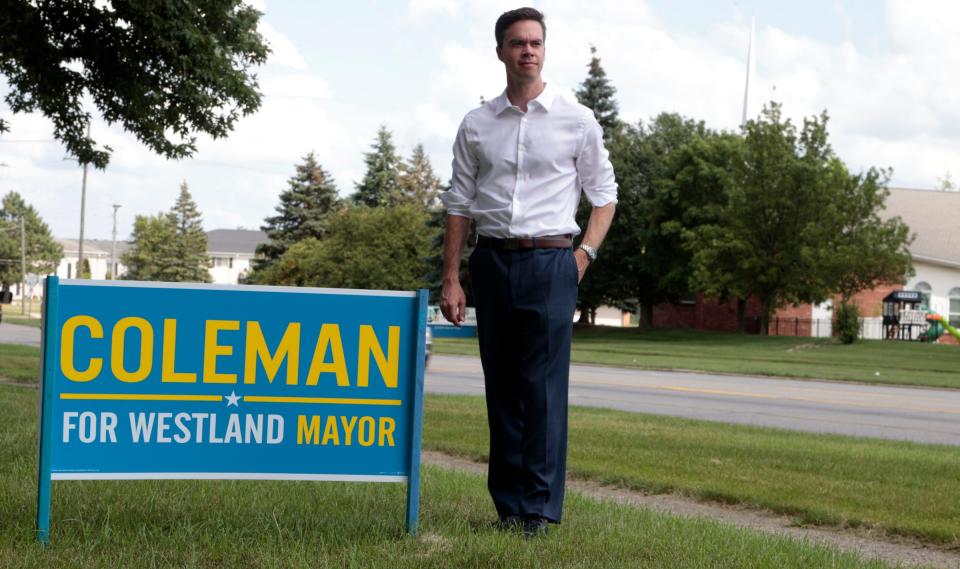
[[327, 400], [138, 397], [714, 392]]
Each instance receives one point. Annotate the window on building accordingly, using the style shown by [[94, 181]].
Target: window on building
[[955, 306], [223, 262], [69, 270], [924, 289]]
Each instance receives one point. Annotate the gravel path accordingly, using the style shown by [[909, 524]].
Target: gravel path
[[869, 545]]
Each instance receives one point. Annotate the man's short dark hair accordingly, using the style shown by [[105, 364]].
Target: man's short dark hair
[[507, 19]]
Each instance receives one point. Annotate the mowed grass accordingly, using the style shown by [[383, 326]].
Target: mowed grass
[[20, 320], [906, 363], [20, 363], [897, 487], [134, 524]]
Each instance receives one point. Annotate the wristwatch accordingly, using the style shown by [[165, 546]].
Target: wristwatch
[[590, 251]]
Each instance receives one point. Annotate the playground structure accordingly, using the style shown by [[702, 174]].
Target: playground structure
[[937, 325], [906, 317]]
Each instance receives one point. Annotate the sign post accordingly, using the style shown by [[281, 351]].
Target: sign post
[[189, 381]]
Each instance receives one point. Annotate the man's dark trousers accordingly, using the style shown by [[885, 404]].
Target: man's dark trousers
[[525, 301]]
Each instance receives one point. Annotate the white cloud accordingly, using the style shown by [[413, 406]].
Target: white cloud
[[282, 50], [425, 7]]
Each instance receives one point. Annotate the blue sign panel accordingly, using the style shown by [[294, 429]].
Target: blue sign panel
[[174, 381]]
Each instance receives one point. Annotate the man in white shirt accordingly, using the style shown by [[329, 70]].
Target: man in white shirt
[[520, 162]]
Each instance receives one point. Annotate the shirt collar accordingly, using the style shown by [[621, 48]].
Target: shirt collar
[[544, 100]]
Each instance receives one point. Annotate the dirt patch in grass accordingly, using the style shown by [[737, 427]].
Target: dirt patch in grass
[[868, 543]]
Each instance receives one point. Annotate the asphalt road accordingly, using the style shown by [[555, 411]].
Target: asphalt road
[[916, 414], [14, 334]]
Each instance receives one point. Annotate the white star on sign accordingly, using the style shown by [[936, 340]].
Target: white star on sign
[[232, 399]]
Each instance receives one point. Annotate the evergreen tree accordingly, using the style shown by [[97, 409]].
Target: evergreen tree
[[169, 247], [148, 255], [418, 182], [303, 212], [190, 262], [381, 183], [597, 94], [43, 253]]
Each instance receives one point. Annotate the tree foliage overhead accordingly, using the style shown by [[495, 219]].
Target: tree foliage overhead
[[164, 70], [43, 253], [597, 93], [368, 248], [303, 212], [170, 246], [381, 182]]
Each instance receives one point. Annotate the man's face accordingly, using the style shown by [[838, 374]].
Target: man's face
[[522, 52]]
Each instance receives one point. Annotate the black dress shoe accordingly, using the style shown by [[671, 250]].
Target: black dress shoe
[[535, 527], [508, 523]]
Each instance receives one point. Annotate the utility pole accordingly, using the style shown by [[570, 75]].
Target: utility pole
[[83, 206], [113, 250], [23, 266]]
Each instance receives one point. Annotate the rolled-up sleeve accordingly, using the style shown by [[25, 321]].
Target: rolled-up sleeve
[[594, 168], [463, 189]]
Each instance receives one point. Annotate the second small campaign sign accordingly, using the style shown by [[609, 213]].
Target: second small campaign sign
[[147, 380]]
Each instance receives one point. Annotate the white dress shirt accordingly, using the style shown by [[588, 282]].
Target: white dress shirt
[[519, 174]]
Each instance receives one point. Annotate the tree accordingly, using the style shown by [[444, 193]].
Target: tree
[[643, 255], [597, 93], [43, 253], [83, 271], [162, 70], [148, 256], [169, 247], [303, 212], [795, 227], [381, 182], [418, 183], [368, 248], [189, 261], [946, 183], [867, 250]]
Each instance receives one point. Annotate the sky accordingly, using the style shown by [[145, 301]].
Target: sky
[[885, 71]]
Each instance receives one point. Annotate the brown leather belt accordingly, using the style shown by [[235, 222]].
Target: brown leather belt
[[518, 243]]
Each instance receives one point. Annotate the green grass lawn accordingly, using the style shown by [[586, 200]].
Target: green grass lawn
[[20, 320], [132, 524], [898, 487], [907, 363], [20, 363]]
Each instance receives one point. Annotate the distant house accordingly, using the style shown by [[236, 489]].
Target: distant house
[[230, 250]]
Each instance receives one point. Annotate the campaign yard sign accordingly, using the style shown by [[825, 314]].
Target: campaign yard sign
[[191, 381]]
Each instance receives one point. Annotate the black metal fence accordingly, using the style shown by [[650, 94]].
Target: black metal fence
[[870, 328]]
